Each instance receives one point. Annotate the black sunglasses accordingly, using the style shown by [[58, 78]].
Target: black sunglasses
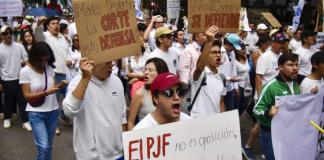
[[170, 92]]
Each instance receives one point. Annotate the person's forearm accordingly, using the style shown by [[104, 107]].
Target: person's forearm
[[258, 84], [147, 31], [79, 91], [203, 58]]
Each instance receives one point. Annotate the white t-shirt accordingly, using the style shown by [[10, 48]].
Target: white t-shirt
[[137, 67], [37, 84], [149, 121], [267, 66], [308, 84], [171, 58], [294, 45], [72, 71], [243, 72], [209, 97], [10, 60], [251, 39], [151, 40], [228, 68], [305, 65]]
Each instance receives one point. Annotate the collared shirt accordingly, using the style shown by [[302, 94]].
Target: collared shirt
[[188, 61], [228, 68], [179, 47], [209, 97], [59, 45]]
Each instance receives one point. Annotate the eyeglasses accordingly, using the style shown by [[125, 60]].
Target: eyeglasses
[[168, 36], [149, 69], [170, 92]]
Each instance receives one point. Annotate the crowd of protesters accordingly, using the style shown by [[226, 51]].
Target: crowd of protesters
[[177, 76]]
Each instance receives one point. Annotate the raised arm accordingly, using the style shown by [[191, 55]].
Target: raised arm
[[203, 58], [72, 102]]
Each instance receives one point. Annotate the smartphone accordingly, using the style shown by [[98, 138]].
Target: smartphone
[[61, 84]]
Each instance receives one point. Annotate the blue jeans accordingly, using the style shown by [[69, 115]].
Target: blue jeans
[[60, 94], [266, 144], [43, 125]]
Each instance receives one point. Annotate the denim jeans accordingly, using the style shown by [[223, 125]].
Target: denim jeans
[[43, 125], [266, 144], [60, 94]]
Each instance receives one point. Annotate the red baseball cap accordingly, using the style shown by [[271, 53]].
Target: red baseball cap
[[164, 81]]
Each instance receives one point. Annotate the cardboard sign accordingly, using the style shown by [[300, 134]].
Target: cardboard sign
[[210, 138], [205, 13], [107, 29], [12, 8], [271, 19]]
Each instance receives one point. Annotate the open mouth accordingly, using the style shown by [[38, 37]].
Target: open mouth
[[176, 108]]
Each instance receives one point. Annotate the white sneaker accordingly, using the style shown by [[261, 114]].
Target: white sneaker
[[57, 131], [6, 123], [27, 126]]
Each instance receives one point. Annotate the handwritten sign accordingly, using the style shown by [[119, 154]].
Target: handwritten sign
[[11, 8], [173, 9], [271, 19], [205, 13], [209, 138], [107, 29]]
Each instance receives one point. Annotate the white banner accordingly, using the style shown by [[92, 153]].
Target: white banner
[[293, 137], [12, 8], [210, 138], [173, 9], [298, 11]]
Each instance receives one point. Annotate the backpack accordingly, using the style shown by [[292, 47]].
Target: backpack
[[203, 83]]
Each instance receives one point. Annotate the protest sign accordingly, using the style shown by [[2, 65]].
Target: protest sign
[[271, 19], [107, 29], [296, 135], [210, 138], [12, 8], [173, 9], [204, 13]]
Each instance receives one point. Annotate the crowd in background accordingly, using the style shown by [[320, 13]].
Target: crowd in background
[[177, 76]]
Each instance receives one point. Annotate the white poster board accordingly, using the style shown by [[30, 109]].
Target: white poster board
[[291, 130], [210, 138], [173, 9], [11, 8]]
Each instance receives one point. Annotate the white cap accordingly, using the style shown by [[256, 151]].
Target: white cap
[[4, 28], [159, 18], [262, 26]]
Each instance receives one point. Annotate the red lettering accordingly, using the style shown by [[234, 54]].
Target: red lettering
[[123, 18], [165, 143], [131, 149], [157, 154], [196, 21], [149, 142]]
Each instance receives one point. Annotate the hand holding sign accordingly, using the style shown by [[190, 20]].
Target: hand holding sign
[[86, 67]]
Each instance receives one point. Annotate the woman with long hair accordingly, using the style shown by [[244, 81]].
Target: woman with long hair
[[37, 83], [141, 104], [74, 58], [27, 39]]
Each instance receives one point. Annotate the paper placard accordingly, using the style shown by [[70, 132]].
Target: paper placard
[[210, 138], [204, 13], [107, 29], [11, 8], [271, 19]]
